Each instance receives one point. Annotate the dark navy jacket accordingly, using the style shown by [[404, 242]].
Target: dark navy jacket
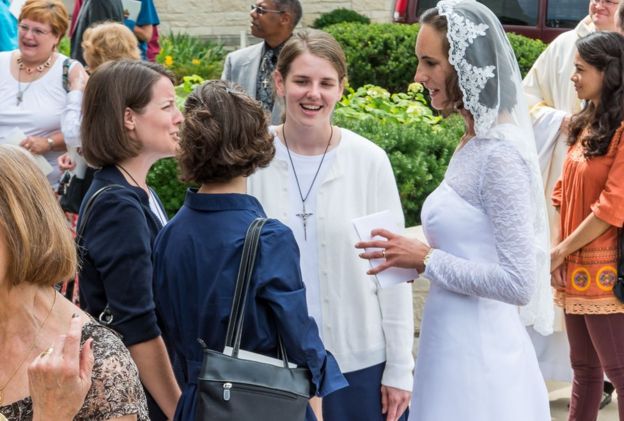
[[117, 265], [196, 259]]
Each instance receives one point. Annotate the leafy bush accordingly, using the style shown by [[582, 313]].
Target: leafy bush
[[527, 50], [185, 55], [64, 46], [419, 153], [338, 16], [381, 54], [374, 102]]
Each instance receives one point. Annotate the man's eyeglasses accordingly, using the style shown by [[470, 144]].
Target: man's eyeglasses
[[35, 31], [261, 10]]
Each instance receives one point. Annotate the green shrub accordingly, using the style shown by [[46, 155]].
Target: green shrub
[[339, 16], [527, 50], [374, 102], [64, 46], [419, 153], [186, 55], [163, 177], [381, 54]]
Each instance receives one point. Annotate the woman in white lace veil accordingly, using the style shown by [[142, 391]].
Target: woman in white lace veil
[[488, 251]]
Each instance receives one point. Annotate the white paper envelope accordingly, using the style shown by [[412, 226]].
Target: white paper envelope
[[363, 226], [261, 358], [15, 137]]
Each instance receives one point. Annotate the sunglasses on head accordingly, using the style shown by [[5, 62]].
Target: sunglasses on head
[[262, 10]]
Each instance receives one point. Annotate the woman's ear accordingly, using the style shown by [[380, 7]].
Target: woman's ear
[[129, 120], [278, 81]]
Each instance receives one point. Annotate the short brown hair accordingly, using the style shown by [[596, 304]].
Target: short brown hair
[[112, 88], [620, 17], [109, 41], [52, 12], [40, 248], [318, 43], [224, 134]]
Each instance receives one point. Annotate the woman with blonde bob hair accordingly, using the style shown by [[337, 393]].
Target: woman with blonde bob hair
[[109, 41], [41, 333]]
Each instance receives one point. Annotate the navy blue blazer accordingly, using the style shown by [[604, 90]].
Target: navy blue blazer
[[196, 259], [117, 265]]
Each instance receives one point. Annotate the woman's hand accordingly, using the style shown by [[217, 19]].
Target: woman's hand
[[77, 78], [398, 251], [394, 402], [36, 145], [65, 162], [557, 278], [556, 259], [60, 377]]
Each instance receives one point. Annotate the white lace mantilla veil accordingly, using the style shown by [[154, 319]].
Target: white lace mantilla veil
[[490, 81]]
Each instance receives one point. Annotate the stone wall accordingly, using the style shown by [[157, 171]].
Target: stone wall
[[228, 21]]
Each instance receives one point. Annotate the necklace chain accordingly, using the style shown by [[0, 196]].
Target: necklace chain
[[305, 215], [303, 199], [129, 175], [21, 66], [32, 346]]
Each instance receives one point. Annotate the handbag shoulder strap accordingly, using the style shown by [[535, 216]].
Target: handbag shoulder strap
[[245, 271], [67, 63], [86, 213]]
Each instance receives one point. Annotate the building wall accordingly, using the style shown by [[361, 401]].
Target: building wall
[[228, 21]]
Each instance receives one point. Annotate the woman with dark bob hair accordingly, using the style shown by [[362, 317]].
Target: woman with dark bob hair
[[197, 255], [130, 121], [589, 197]]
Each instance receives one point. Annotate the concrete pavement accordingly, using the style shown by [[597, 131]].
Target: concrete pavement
[[559, 395]]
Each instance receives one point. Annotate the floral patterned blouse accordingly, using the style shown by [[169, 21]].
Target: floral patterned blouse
[[115, 390]]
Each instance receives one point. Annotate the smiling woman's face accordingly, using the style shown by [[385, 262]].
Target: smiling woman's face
[[434, 69], [36, 40]]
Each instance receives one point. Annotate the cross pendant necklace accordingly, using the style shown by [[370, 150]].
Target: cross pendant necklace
[[303, 214]]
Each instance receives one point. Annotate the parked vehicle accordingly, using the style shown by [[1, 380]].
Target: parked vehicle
[[540, 19]]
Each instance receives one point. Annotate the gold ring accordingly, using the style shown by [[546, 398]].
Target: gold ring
[[46, 352]]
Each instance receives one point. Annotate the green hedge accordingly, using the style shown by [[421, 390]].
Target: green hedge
[[419, 153], [382, 54], [338, 16]]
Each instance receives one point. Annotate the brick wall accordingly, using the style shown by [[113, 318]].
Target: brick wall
[[224, 20]]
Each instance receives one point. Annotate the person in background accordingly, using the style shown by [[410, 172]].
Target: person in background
[[91, 12], [589, 197], [44, 373], [197, 255], [8, 27], [252, 67], [552, 100], [37, 96], [619, 18], [153, 46], [130, 121], [144, 25], [322, 177]]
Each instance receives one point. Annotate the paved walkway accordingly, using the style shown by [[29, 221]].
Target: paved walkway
[[559, 394]]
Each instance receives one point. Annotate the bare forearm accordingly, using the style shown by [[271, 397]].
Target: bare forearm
[[156, 373], [590, 229], [143, 33]]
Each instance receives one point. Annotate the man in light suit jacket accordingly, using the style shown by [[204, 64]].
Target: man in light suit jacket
[[252, 67]]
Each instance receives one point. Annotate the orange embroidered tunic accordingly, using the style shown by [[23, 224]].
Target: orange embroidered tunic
[[591, 185]]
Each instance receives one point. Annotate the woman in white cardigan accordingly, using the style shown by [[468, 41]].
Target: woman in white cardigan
[[322, 178]]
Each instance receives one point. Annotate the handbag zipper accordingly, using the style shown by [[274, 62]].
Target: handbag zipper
[[229, 387]]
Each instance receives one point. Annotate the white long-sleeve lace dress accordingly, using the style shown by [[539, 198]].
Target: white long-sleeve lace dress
[[475, 360]]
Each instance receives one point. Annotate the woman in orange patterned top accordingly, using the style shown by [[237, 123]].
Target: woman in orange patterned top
[[590, 198]]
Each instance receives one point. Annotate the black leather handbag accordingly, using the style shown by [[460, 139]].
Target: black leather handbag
[[618, 288], [231, 388]]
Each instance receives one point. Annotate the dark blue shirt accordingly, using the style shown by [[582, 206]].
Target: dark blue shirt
[[117, 266], [196, 259]]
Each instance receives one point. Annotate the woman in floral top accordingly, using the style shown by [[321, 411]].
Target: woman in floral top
[[590, 198]]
